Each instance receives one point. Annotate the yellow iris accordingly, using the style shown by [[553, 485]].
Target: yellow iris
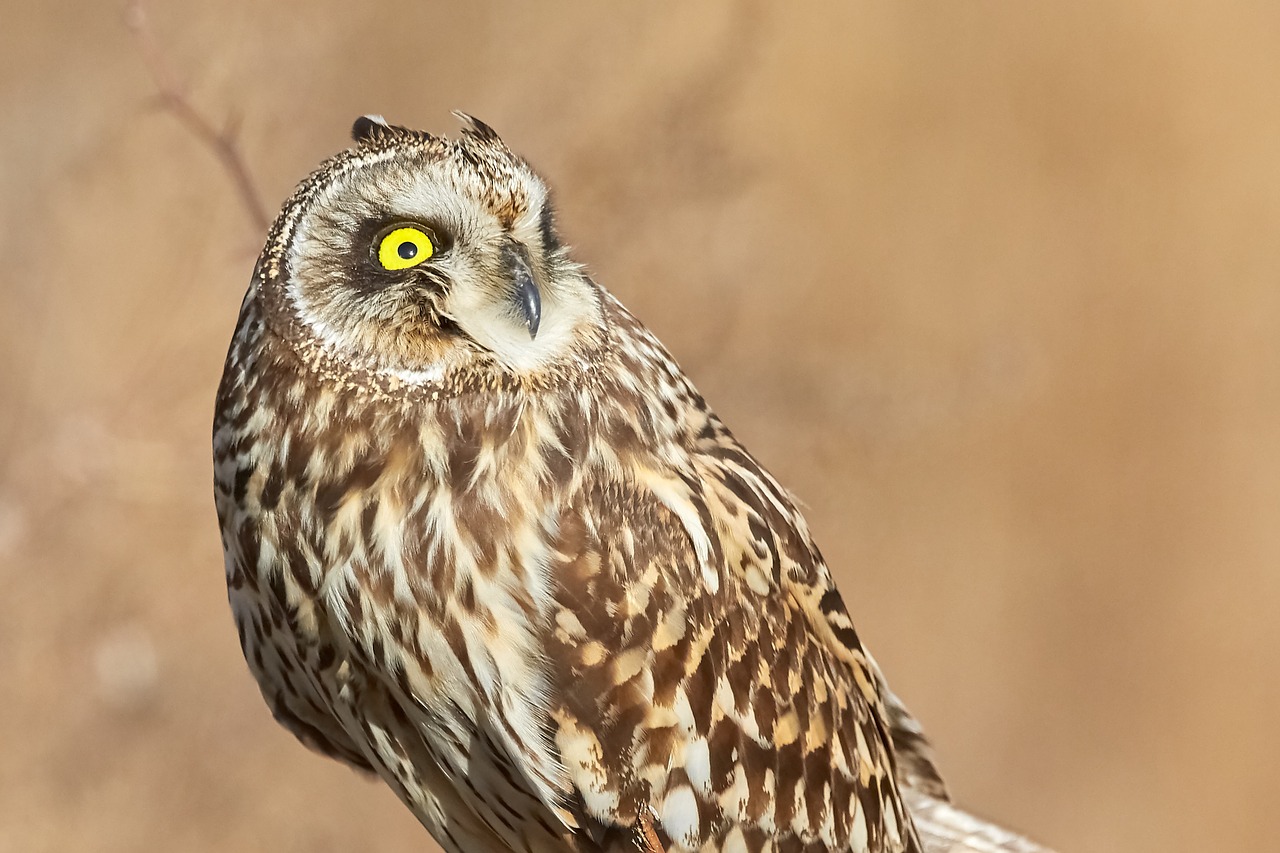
[[404, 247]]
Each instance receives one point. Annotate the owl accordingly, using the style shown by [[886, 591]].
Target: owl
[[485, 540]]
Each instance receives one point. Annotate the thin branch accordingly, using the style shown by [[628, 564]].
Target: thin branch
[[173, 97]]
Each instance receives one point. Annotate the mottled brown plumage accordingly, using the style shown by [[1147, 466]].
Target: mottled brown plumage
[[485, 539]]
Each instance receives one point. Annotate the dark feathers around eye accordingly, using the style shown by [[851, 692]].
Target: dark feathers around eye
[[365, 275]]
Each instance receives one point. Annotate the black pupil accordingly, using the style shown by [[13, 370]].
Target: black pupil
[[406, 250]]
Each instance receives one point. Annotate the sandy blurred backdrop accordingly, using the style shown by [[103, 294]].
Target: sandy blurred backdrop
[[993, 287]]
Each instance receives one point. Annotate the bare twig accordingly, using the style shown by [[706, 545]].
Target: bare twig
[[173, 97]]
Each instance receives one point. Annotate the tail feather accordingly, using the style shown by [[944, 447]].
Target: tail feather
[[943, 828]]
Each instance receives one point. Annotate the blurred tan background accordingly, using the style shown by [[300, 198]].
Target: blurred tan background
[[993, 287]]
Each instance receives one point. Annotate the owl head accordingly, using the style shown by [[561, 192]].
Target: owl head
[[413, 255]]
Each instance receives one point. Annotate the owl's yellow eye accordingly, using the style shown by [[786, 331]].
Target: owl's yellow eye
[[404, 247]]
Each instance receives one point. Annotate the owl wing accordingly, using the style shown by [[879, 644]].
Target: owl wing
[[706, 673]]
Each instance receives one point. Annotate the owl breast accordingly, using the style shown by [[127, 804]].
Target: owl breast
[[387, 568]]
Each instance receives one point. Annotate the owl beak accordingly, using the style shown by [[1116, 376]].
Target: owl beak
[[527, 297]]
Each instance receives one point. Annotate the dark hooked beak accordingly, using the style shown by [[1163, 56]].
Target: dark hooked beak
[[524, 289]]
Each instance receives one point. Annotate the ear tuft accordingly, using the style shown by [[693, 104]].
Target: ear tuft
[[373, 130], [477, 129], [370, 128]]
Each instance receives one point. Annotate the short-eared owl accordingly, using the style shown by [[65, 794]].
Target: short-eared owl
[[485, 539]]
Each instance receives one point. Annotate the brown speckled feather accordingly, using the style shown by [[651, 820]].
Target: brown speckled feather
[[705, 663], [485, 539]]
